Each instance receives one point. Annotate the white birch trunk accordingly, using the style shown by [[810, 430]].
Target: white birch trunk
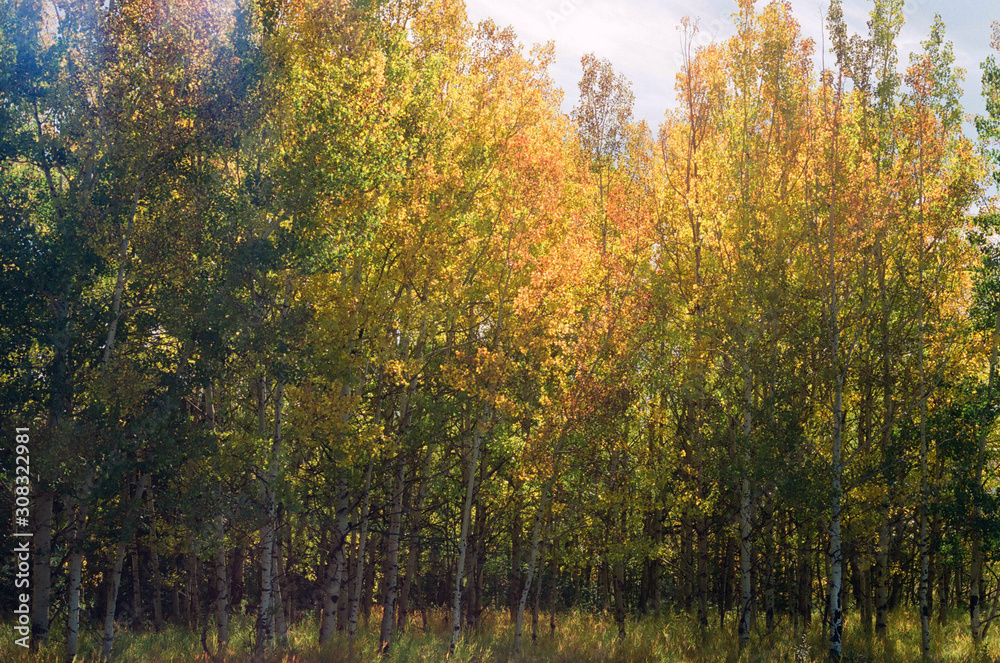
[[277, 597], [219, 523], [392, 559], [42, 570], [745, 516], [265, 618], [456, 614], [77, 533], [112, 599], [976, 571], [925, 614], [221, 581], [836, 552], [336, 567], [352, 621]]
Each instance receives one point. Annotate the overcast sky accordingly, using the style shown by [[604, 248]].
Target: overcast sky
[[642, 40]]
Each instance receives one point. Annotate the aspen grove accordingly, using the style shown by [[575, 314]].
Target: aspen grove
[[326, 312]]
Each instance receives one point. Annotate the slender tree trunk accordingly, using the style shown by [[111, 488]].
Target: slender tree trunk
[[536, 530], [805, 581], [391, 577], [687, 564], [347, 580], [975, 586], [335, 567], [618, 587], [221, 581], [701, 530], [944, 593], [936, 568], [536, 604], [277, 580], [882, 572], [136, 587], [976, 571], [769, 572], [554, 590], [413, 548], [837, 419], [865, 572], [221, 576], [265, 617], [112, 600], [925, 614], [474, 602], [884, 539], [116, 574], [154, 560], [745, 517], [76, 535], [456, 618], [42, 569], [359, 573]]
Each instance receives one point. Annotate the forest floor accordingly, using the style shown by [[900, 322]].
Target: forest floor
[[579, 637]]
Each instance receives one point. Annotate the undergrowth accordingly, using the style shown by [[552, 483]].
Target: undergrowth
[[578, 637]]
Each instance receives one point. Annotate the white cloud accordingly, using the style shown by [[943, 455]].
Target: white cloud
[[641, 39]]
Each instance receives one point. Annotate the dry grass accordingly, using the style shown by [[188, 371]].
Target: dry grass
[[579, 637]]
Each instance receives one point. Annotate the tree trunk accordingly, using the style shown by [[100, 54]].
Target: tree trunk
[[111, 601], [701, 530], [265, 617], [413, 548], [277, 581], [359, 573], [769, 571], [687, 564], [618, 588], [805, 581], [536, 530], [944, 593], [975, 586], [391, 578], [335, 567], [515, 581], [116, 574], [925, 613], [474, 600], [536, 604], [456, 613], [154, 560], [221, 576], [837, 417], [347, 580], [745, 517], [42, 570], [136, 587], [76, 535], [221, 581], [976, 572], [882, 572]]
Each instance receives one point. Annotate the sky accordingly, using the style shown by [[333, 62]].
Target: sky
[[642, 40]]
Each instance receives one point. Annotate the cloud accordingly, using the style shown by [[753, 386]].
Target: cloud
[[642, 40]]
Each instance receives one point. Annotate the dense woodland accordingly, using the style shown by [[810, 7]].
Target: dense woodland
[[327, 310]]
